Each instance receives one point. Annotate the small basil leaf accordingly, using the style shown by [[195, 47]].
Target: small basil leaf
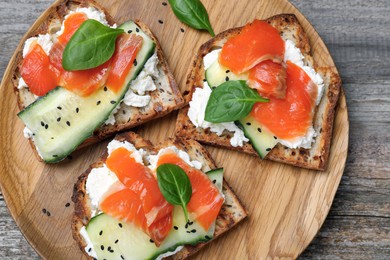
[[192, 13], [90, 46], [231, 101], [174, 185]]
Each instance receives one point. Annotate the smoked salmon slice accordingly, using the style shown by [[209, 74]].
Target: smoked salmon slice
[[71, 24], [140, 180], [206, 200], [37, 71], [257, 42], [269, 78], [292, 116], [127, 47]]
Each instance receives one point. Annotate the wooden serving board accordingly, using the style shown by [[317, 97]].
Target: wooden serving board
[[286, 205]]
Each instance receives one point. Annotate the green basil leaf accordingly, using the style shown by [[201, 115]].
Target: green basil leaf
[[174, 185], [231, 101], [90, 46], [192, 13]]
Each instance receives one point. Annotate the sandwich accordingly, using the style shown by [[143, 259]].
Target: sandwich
[[69, 98], [256, 89], [122, 210]]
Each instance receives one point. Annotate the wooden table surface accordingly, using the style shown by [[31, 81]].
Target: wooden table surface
[[358, 36]]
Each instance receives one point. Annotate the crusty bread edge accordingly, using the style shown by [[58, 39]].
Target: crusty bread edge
[[59, 11], [296, 156], [82, 210]]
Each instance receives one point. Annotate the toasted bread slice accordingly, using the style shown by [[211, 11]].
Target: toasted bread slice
[[314, 158], [232, 211], [165, 99]]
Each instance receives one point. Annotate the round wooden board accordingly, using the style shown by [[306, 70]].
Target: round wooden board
[[286, 205]]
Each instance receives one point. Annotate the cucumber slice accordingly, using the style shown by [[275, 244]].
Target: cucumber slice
[[262, 140], [217, 74], [61, 120], [113, 239]]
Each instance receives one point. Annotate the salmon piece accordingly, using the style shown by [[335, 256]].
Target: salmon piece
[[71, 24], [269, 78], [206, 200], [292, 116], [125, 205], [257, 42], [127, 47], [37, 71], [141, 181]]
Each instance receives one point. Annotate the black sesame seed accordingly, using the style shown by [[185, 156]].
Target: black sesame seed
[[46, 126], [275, 137], [164, 3], [227, 71], [176, 228], [116, 241], [204, 80], [120, 225], [190, 223], [188, 232], [59, 108], [67, 204], [52, 138], [136, 29], [112, 101], [109, 248], [112, 251], [89, 250], [98, 103], [227, 78], [59, 119], [102, 247], [42, 123], [214, 181], [160, 21], [259, 129], [135, 62], [248, 123], [44, 211], [77, 109], [207, 237], [105, 88], [186, 226], [101, 232], [68, 123], [129, 31], [193, 231], [151, 241], [182, 30], [268, 149], [55, 156], [122, 257], [48, 213]]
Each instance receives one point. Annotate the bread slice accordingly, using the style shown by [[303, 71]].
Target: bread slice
[[232, 211], [314, 158], [164, 100]]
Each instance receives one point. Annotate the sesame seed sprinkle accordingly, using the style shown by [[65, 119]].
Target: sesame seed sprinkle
[[129, 31], [101, 232], [77, 109], [135, 62], [227, 71], [122, 257], [182, 30], [248, 123], [105, 88], [59, 108], [120, 225], [193, 231], [259, 129], [68, 123], [227, 78], [67, 204], [151, 241], [268, 149], [44, 211], [176, 228], [164, 3], [46, 126], [160, 21], [98, 103], [275, 137], [214, 181], [48, 213], [102, 247], [112, 101], [136, 29], [42, 123], [59, 119], [116, 241]]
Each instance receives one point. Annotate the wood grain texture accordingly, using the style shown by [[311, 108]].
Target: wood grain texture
[[357, 35]]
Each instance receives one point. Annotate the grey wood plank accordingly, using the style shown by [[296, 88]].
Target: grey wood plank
[[358, 37]]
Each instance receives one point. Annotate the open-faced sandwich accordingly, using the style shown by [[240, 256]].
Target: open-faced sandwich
[[257, 90], [82, 78], [142, 201]]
